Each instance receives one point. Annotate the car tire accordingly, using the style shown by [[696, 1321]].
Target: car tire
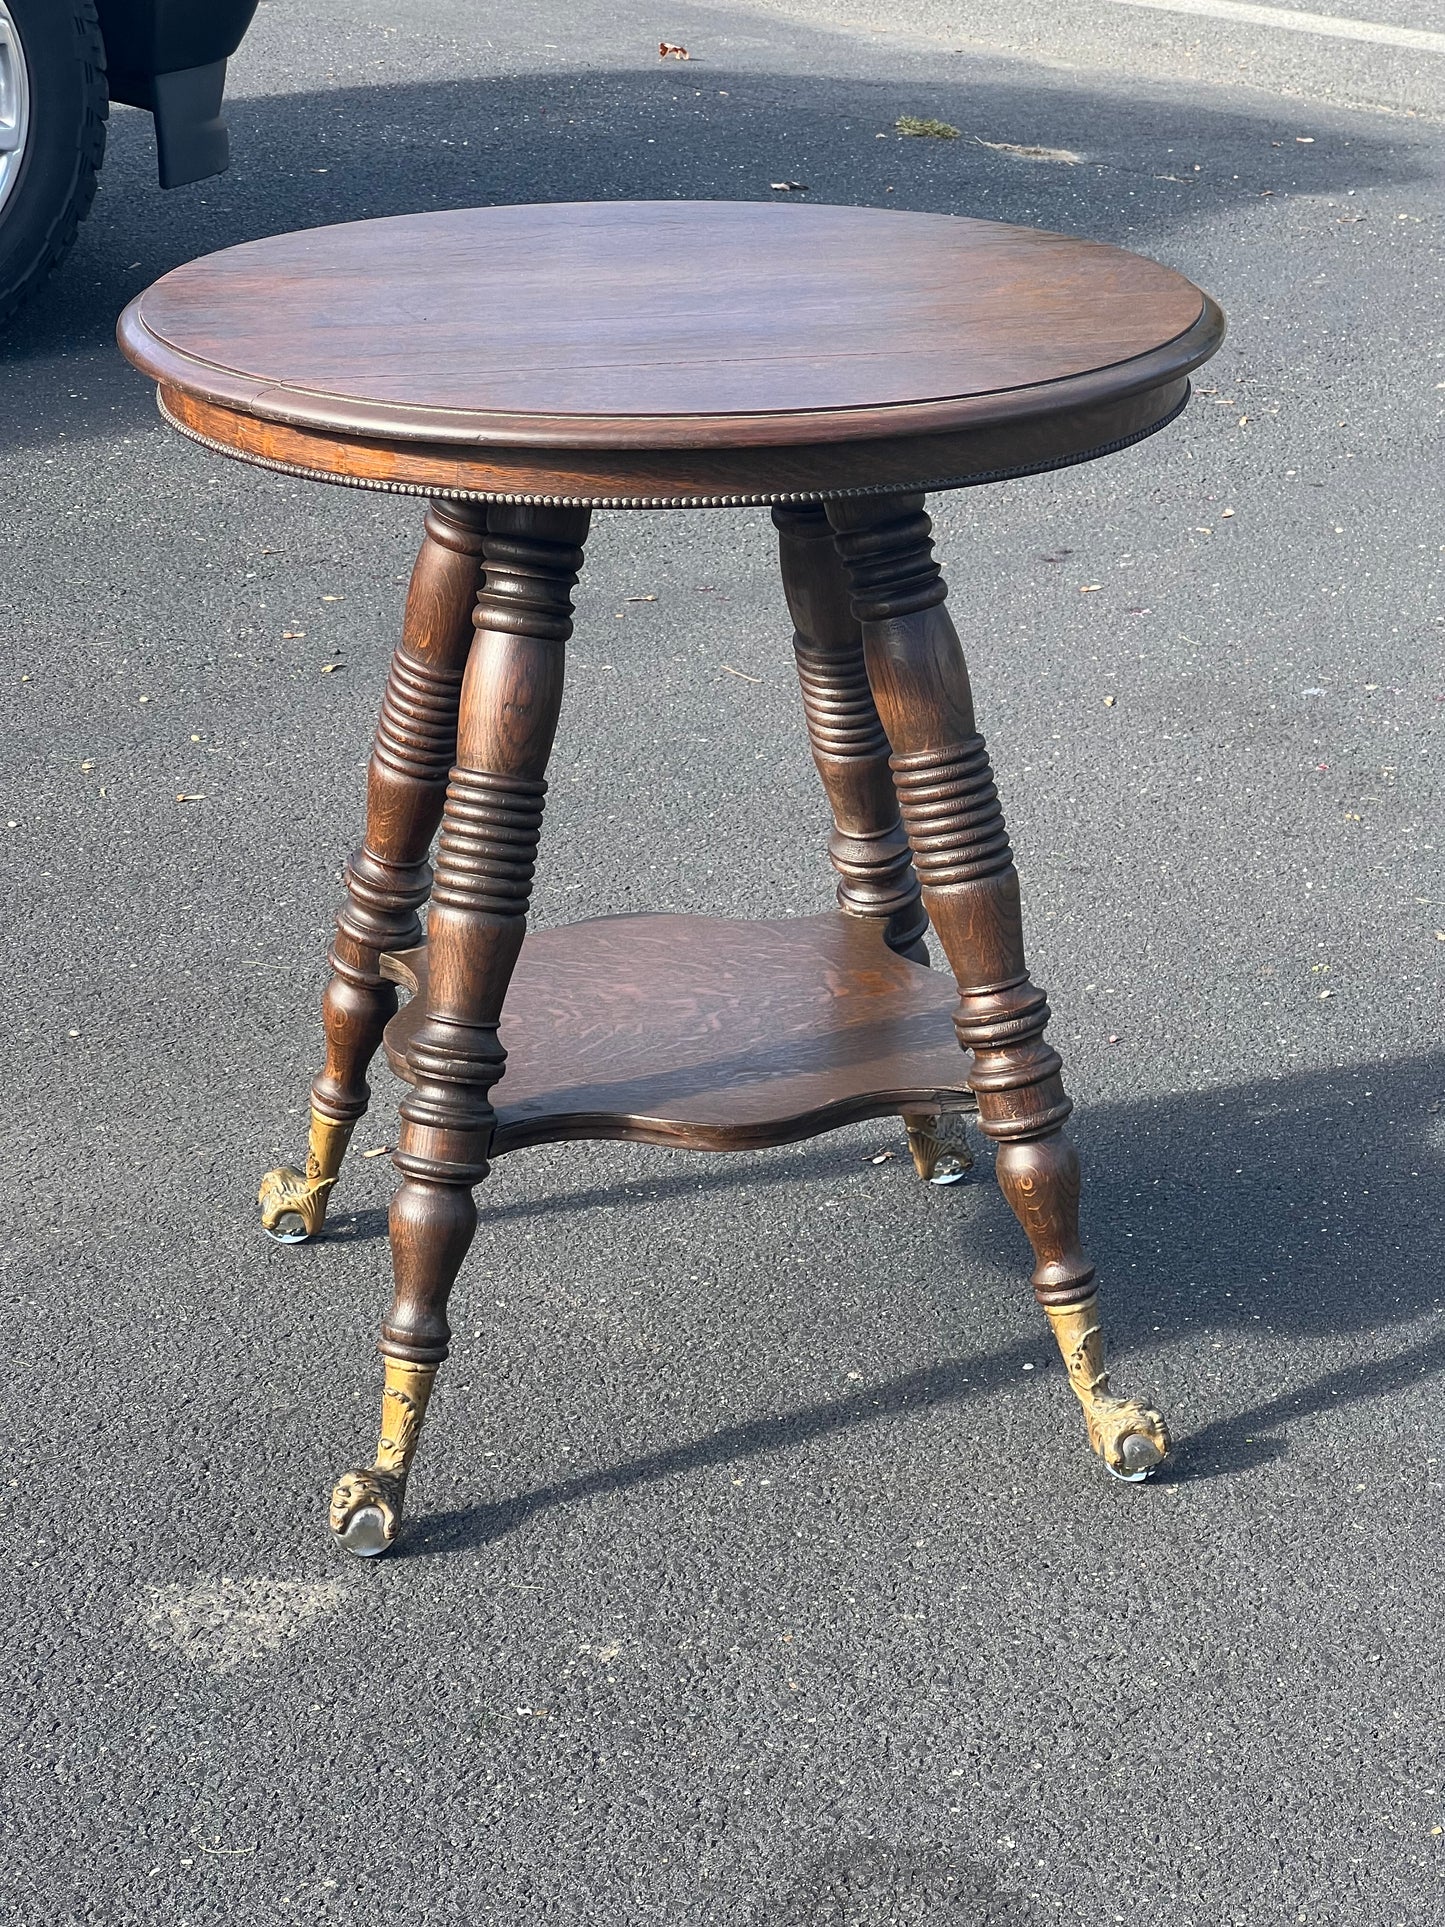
[[53, 107]]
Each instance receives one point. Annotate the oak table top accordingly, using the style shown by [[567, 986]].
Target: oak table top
[[664, 353]]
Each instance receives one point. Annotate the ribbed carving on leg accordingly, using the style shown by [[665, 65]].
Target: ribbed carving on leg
[[867, 846], [1017, 1084], [417, 734], [962, 855], [455, 1066], [952, 814], [415, 746], [487, 852], [891, 567], [380, 911], [875, 879], [871, 856], [837, 701], [527, 586], [486, 856]]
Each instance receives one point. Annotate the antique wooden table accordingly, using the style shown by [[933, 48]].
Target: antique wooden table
[[523, 366]]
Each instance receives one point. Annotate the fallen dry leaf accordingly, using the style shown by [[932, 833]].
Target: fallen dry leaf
[[1109, 701], [666, 51], [1088, 588], [377, 1151], [330, 668], [884, 1156], [185, 796], [1061, 156]]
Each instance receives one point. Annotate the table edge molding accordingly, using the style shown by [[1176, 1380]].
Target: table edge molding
[[269, 401], [757, 499]]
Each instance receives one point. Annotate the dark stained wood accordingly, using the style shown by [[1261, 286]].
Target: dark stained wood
[[511, 695], [521, 344], [487, 323], [682, 478], [388, 878], [868, 848], [523, 365], [708, 1033], [964, 862]]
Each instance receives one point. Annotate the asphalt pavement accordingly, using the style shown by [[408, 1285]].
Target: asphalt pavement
[[759, 1572]]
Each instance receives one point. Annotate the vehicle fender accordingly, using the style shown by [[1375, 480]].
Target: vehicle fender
[[170, 56], [144, 38]]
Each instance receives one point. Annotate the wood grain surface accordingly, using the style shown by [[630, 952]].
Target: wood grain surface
[[709, 1033], [664, 325], [639, 478]]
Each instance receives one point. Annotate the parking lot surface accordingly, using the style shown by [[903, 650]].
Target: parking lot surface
[[759, 1573]]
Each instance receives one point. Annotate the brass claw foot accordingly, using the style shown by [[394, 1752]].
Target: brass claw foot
[[293, 1203], [366, 1506], [939, 1145], [365, 1513], [1132, 1439]]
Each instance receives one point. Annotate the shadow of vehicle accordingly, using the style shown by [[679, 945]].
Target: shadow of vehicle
[[305, 160], [62, 62]]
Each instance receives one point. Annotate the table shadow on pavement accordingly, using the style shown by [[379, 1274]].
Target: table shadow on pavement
[[1298, 1207]]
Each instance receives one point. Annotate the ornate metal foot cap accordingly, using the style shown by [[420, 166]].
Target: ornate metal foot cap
[[1131, 1438], [365, 1514], [293, 1206], [293, 1203], [940, 1147]]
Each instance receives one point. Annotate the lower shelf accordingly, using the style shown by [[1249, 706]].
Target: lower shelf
[[710, 1033]]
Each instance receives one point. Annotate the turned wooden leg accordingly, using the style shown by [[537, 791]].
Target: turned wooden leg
[[868, 847], [485, 857], [970, 890], [388, 879]]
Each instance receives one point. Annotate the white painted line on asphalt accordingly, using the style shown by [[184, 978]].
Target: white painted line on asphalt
[[1292, 21]]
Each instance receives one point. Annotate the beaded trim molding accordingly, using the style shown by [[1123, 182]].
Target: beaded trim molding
[[676, 501]]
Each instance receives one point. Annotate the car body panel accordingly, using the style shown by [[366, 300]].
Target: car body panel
[[148, 37], [169, 56]]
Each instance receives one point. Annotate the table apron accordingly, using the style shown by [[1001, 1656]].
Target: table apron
[[683, 478]]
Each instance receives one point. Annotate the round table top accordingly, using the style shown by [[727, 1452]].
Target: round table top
[[725, 329]]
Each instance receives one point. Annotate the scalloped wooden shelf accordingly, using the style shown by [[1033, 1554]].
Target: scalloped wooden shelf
[[709, 1033]]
